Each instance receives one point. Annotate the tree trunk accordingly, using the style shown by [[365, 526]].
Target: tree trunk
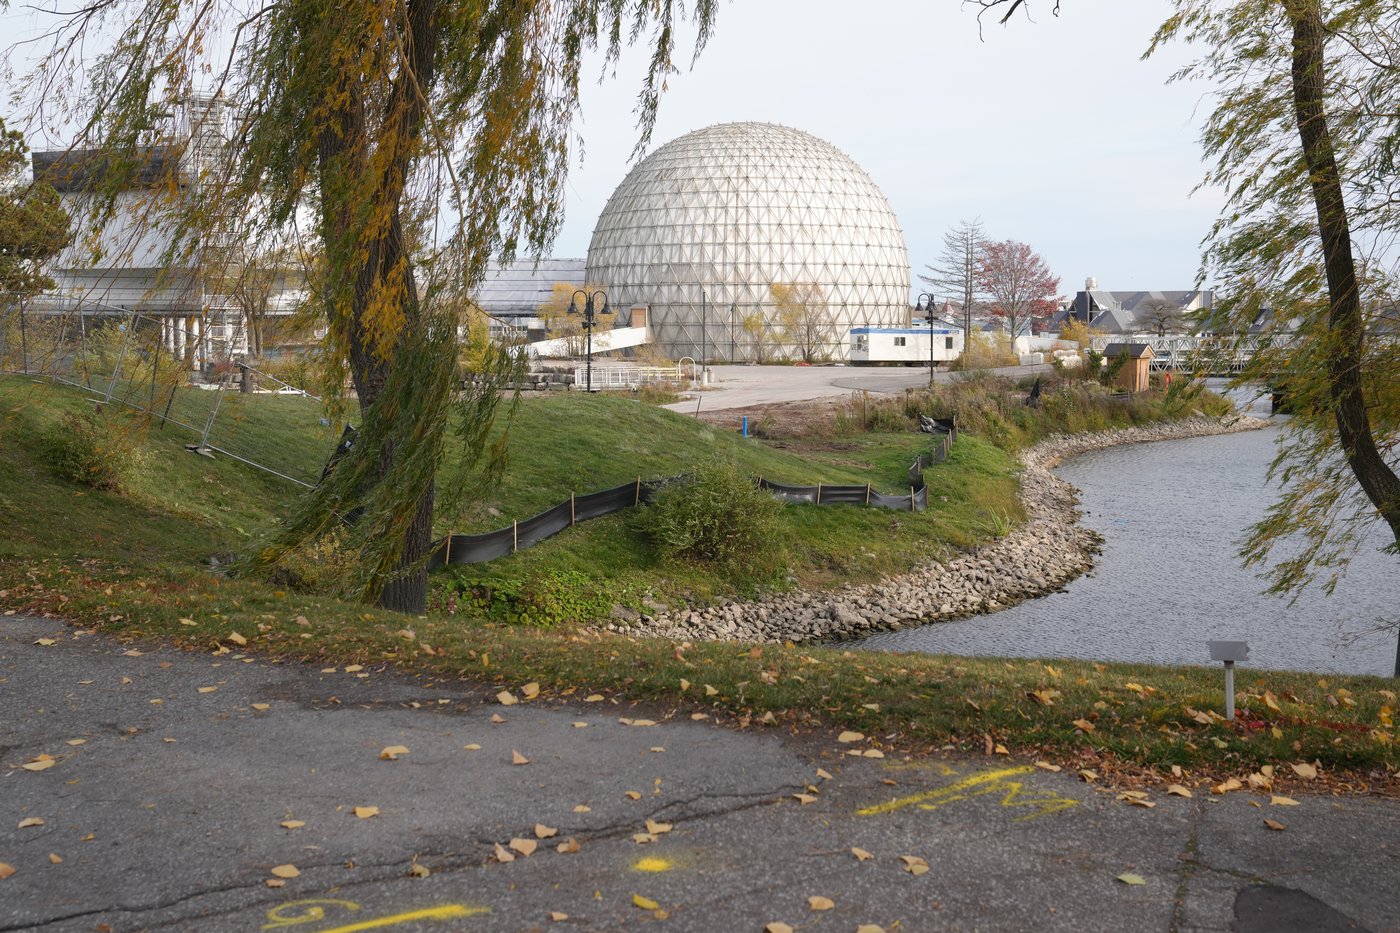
[[1358, 444]]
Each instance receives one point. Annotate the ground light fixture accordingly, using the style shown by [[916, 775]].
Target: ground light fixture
[[590, 319], [1229, 652], [924, 304]]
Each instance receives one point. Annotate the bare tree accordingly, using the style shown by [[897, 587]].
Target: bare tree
[[1161, 317], [955, 272]]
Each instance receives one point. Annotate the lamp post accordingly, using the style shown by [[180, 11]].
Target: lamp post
[[590, 318], [924, 303]]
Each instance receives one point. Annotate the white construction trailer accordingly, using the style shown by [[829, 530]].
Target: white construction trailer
[[903, 346]]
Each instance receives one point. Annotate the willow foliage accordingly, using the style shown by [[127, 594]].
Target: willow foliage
[[409, 141], [1302, 140]]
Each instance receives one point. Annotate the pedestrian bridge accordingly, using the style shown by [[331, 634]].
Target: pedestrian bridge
[[1211, 354]]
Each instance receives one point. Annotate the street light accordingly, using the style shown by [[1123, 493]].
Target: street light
[[924, 303], [590, 318]]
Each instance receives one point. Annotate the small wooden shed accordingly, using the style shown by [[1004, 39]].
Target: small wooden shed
[[1133, 375]]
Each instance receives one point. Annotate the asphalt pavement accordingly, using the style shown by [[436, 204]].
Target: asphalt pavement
[[144, 788]]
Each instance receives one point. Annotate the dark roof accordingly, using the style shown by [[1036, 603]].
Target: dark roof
[[76, 170], [518, 289], [1135, 350]]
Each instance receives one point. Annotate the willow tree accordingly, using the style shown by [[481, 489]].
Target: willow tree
[[415, 139]]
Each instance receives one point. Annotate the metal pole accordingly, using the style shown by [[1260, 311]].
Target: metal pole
[[1230, 691], [23, 342], [702, 337], [930, 349], [121, 355], [588, 330]]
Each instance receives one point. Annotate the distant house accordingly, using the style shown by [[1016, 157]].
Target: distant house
[[1133, 312], [512, 293], [1133, 376]]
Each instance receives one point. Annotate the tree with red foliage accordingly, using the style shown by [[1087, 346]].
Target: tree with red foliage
[[1018, 285]]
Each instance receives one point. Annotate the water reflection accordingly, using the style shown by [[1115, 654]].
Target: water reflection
[[1172, 515]]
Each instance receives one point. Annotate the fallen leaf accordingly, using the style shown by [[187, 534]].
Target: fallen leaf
[[710, 691], [503, 855], [558, 915], [1129, 878], [848, 736], [656, 828], [506, 698], [133, 653], [823, 774], [55, 858], [699, 716], [632, 795], [497, 718], [286, 871], [237, 639], [1304, 770], [46, 642], [1226, 786], [914, 865], [275, 882], [261, 707], [207, 689], [518, 759], [583, 808], [777, 926], [31, 821], [685, 685], [817, 902], [1178, 790], [642, 839], [1084, 725], [418, 871], [1000, 750], [1283, 801], [657, 749], [524, 846], [637, 722], [580, 725], [42, 763], [392, 752], [544, 832], [804, 799], [530, 690], [860, 854], [1047, 766], [645, 903], [353, 668], [298, 824], [873, 707], [6, 871], [1088, 774], [870, 928], [365, 813], [1275, 825], [568, 846]]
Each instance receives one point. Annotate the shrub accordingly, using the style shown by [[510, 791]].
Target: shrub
[[716, 515], [96, 449], [556, 597]]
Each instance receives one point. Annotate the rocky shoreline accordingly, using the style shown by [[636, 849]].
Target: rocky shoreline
[[1038, 557]]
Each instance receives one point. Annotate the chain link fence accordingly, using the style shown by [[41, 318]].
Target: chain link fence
[[186, 372]]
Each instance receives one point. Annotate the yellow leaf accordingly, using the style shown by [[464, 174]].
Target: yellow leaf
[[860, 854], [1276, 732], [1226, 787], [55, 858], [1084, 724], [583, 808], [6, 871], [685, 685], [777, 926], [31, 821], [524, 846], [1271, 701], [870, 928], [188, 622], [530, 690], [632, 795], [518, 759], [656, 828], [568, 846], [46, 642], [237, 639], [1088, 774], [1304, 770], [1129, 878], [286, 871], [472, 747], [297, 824], [699, 716], [262, 707], [849, 736], [913, 864], [1283, 801], [873, 707], [804, 799], [823, 774], [42, 763], [1000, 750], [418, 871], [497, 718], [558, 915], [1047, 766], [207, 689], [1275, 825], [392, 752], [544, 832], [873, 753], [710, 691], [1179, 790], [275, 883], [645, 903], [638, 722], [506, 698], [593, 698], [642, 839], [502, 854], [354, 668], [817, 902], [365, 813]]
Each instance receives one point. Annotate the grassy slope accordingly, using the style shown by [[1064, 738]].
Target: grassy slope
[[94, 557]]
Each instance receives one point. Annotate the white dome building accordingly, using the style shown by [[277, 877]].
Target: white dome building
[[705, 227]]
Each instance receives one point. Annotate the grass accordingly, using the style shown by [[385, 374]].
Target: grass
[[133, 564]]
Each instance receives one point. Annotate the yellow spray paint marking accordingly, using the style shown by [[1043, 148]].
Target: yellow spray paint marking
[[312, 910], [315, 910], [653, 864], [995, 781]]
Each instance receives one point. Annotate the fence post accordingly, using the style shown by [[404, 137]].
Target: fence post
[[911, 500], [637, 497], [515, 535], [819, 493], [867, 493], [448, 559], [121, 355]]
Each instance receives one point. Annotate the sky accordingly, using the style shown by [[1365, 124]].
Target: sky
[[1049, 129]]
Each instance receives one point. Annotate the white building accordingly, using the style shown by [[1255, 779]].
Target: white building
[[908, 346]]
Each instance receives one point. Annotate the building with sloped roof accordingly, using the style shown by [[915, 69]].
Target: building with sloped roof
[[1123, 312]]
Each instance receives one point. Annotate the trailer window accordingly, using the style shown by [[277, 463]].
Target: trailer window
[[947, 343], [899, 341]]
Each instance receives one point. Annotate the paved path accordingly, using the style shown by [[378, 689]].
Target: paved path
[[170, 804], [744, 386]]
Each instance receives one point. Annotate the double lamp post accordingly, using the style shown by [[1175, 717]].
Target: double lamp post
[[924, 305], [590, 319]]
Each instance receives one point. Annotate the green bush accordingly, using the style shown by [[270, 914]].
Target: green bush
[[548, 599], [717, 515], [97, 449]]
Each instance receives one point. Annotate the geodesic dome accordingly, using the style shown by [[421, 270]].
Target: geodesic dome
[[703, 227]]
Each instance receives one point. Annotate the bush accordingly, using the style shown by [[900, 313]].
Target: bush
[[95, 449], [717, 515]]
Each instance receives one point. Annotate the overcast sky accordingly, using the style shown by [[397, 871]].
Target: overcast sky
[[1051, 131]]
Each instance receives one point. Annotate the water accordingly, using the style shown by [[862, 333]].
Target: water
[[1172, 515]]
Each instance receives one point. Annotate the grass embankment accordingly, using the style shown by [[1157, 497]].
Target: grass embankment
[[133, 564]]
